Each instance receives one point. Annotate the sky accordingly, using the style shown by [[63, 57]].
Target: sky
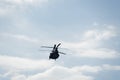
[[88, 31]]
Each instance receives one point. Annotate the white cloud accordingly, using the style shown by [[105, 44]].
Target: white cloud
[[86, 68], [74, 73], [91, 46], [20, 37], [99, 53], [12, 6], [111, 67], [23, 2], [19, 77], [15, 68], [60, 73], [100, 34], [16, 63], [93, 38]]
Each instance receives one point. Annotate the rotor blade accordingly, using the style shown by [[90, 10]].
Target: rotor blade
[[63, 48], [46, 47], [58, 45], [44, 50], [62, 53]]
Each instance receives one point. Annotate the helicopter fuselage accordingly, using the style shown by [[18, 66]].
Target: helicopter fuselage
[[54, 54]]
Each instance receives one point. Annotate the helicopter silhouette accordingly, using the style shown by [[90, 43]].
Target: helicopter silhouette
[[54, 53]]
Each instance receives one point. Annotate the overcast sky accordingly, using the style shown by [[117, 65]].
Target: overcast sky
[[87, 29]]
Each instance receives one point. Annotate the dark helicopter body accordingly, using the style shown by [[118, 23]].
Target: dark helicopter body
[[54, 53], [53, 56]]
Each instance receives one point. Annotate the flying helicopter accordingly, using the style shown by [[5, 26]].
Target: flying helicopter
[[54, 53]]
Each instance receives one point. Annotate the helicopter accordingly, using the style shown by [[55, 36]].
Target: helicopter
[[54, 53]]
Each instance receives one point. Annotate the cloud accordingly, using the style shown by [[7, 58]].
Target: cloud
[[60, 73], [87, 68], [15, 67], [100, 34], [11, 6], [19, 77], [15, 3], [20, 37], [91, 44], [99, 53], [74, 73], [111, 67], [16, 63]]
